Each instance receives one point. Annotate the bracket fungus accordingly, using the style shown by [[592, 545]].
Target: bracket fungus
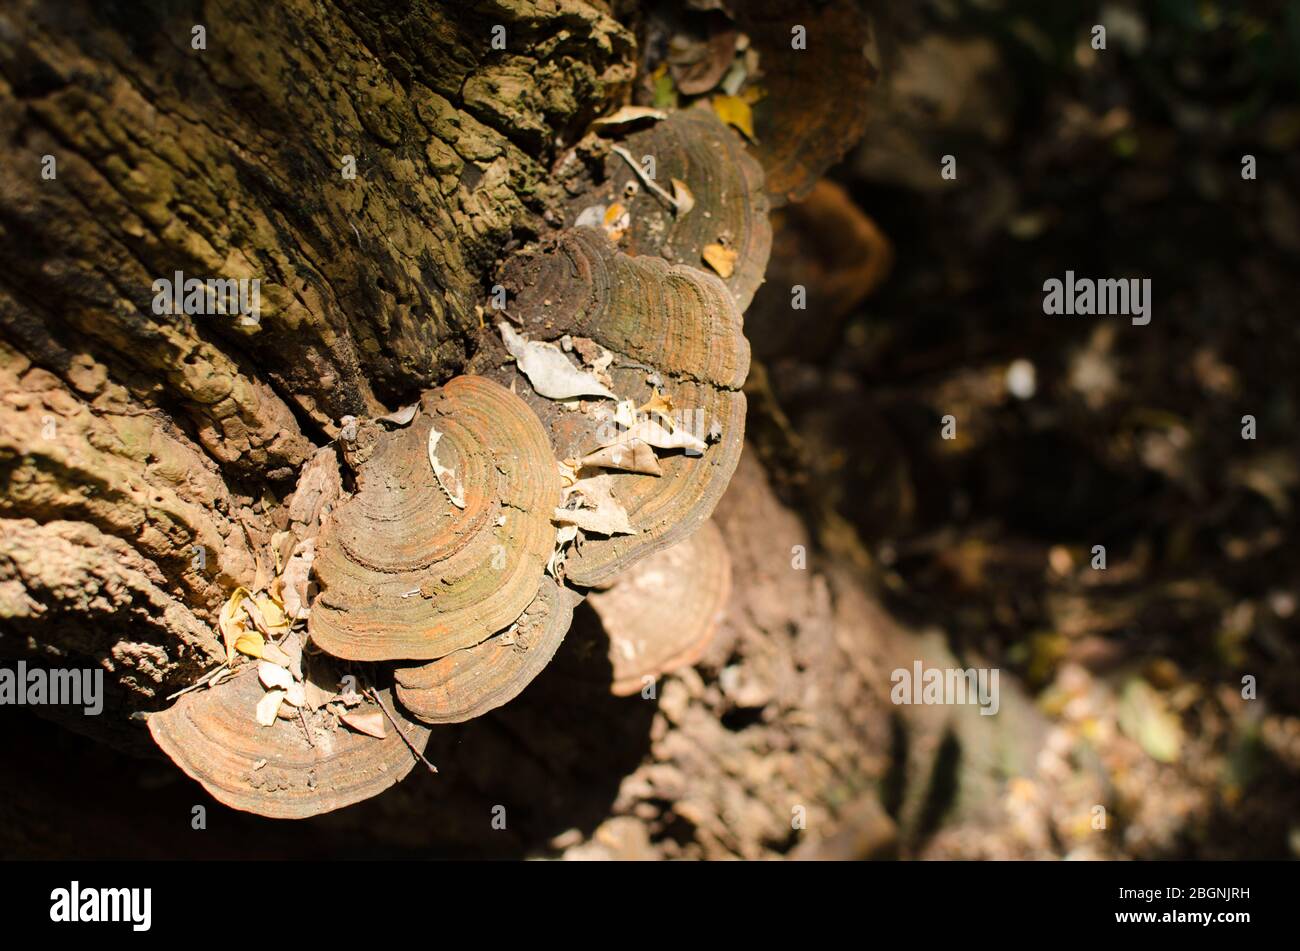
[[662, 614], [292, 769], [814, 108], [669, 340], [719, 216], [469, 682], [417, 563]]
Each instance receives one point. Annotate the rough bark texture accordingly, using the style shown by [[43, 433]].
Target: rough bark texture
[[176, 432]]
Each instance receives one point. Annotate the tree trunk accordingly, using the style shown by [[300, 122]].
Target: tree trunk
[[146, 459]]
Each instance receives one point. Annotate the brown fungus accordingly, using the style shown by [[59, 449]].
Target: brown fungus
[[662, 614], [668, 332], [419, 563], [725, 185], [829, 246], [814, 108], [282, 771], [469, 682]]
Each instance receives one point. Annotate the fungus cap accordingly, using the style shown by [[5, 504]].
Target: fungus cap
[[418, 563], [730, 207], [213, 736], [469, 682], [674, 332], [662, 614]]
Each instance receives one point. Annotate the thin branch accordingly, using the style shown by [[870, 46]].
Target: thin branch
[[646, 179]]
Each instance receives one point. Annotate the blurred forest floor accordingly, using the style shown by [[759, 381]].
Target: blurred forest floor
[[1074, 432]]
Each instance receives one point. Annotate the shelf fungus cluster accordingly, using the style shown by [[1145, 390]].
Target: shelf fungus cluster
[[431, 559]]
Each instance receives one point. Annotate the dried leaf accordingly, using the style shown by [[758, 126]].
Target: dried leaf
[[267, 615], [296, 695], [549, 371], [697, 63], [446, 478], [297, 579], [721, 258], [652, 432], [631, 456], [250, 643], [735, 111], [628, 115], [315, 695], [593, 217], [282, 546], [661, 405], [602, 513], [371, 724], [269, 706], [564, 537], [402, 417], [231, 621], [273, 676], [616, 221], [683, 196], [273, 654]]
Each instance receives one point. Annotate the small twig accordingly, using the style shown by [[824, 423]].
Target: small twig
[[374, 695], [646, 179], [302, 718], [202, 681]]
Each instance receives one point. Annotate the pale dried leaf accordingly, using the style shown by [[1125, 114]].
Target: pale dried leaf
[[269, 706], [683, 196], [275, 655], [273, 676], [402, 417], [296, 695], [630, 114], [593, 217], [601, 514], [549, 371], [316, 696], [631, 456], [446, 478], [297, 579], [654, 433], [371, 724]]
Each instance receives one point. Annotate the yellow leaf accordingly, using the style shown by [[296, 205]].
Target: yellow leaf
[[661, 405], [250, 643], [721, 259], [231, 621], [736, 113], [273, 614]]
